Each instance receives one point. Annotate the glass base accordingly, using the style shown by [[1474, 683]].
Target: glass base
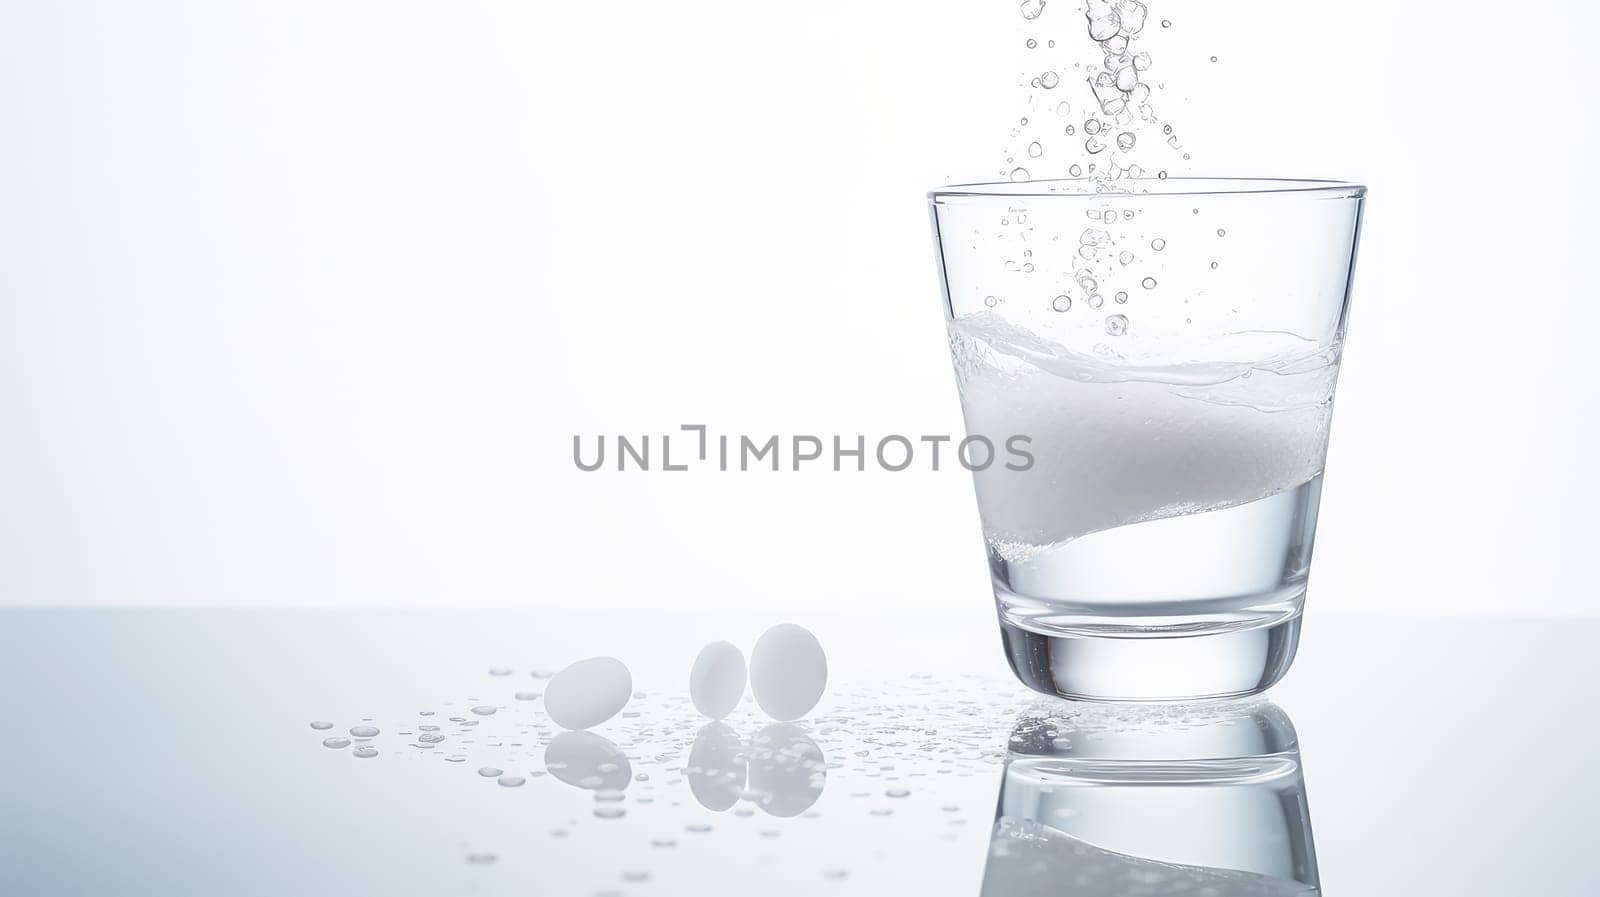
[[1227, 663]]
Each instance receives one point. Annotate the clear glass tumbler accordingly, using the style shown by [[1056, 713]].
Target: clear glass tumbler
[[1147, 371]]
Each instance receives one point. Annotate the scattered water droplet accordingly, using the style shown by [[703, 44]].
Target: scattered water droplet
[[1166, 23], [365, 752], [898, 792], [636, 875], [1148, 283], [1096, 301], [1116, 325], [526, 696], [430, 738], [881, 811], [1049, 80], [321, 725], [698, 828], [1091, 126], [484, 710], [511, 781], [1075, 171], [499, 671], [1125, 141], [337, 742], [610, 811], [1031, 9], [1062, 303], [1213, 265], [990, 301], [1125, 257], [1158, 244], [1035, 149], [1032, 43], [1019, 174], [1221, 232], [1121, 297], [364, 731], [481, 859], [491, 772]]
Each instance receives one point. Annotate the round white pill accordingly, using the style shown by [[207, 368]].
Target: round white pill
[[787, 671], [716, 681], [588, 692]]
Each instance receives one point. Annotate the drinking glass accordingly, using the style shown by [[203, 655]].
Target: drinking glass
[[1147, 368]]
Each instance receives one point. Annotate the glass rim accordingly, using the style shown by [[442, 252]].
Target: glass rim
[[1091, 188]]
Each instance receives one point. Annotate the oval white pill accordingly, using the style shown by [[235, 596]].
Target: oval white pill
[[716, 681], [787, 671], [588, 692]]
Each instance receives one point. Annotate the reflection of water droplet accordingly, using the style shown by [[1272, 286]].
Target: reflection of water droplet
[[1062, 303], [1048, 80], [365, 752], [511, 781], [1148, 283], [1116, 325], [1019, 174], [1158, 244], [321, 725], [1035, 149], [541, 674], [336, 742], [364, 731], [1121, 297], [490, 772], [610, 811]]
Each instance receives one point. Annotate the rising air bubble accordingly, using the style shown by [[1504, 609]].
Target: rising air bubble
[[1158, 244], [1048, 80], [1062, 303], [1116, 325], [1148, 283]]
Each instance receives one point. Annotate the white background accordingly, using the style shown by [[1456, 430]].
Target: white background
[[303, 302]]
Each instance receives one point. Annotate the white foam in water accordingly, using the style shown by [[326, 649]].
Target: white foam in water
[[1116, 444]]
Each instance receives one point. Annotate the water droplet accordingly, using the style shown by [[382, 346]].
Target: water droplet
[[1148, 283], [1075, 171], [1161, 175], [337, 742], [1091, 126], [1213, 265], [1019, 174], [1062, 303], [321, 725], [491, 772], [1221, 232], [1127, 214], [430, 738], [1094, 145], [881, 811], [663, 842], [1071, 130], [499, 671], [1196, 211], [1116, 325], [1121, 297], [1213, 59], [1048, 80], [484, 710], [835, 874], [1166, 23], [1158, 244], [1063, 108], [698, 828], [1096, 301], [1031, 9], [610, 811], [511, 781], [481, 859], [990, 301], [1032, 43], [541, 674], [609, 795], [365, 752], [1125, 257], [526, 696], [636, 875], [364, 731], [898, 792], [1035, 149], [1125, 141]]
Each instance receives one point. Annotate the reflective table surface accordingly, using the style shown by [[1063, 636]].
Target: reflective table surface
[[172, 752]]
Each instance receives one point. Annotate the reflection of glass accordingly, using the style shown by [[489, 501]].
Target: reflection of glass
[[1168, 800], [784, 767]]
